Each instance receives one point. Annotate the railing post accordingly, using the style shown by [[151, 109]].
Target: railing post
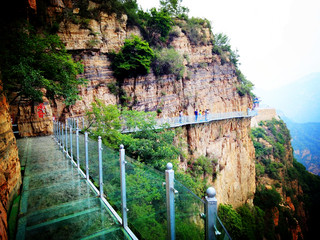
[[211, 213], [58, 132], [77, 142], [87, 154], [54, 129], [123, 187], [82, 122], [71, 152], [62, 137], [170, 202], [66, 135], [100, 166]]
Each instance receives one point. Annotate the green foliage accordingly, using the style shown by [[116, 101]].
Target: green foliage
[[278, 136], [193, 28], [202, 166], [246, 222], [153, 147], [245, 86], [266, 199], [231, 220], [92, 43], [113, 88], [104, 121], [150, 145], [31, 61], [222, 47], [133, 59], [141, 120], [259, 169], [174, 8], [252, 221], [168, 61], [157, 24]]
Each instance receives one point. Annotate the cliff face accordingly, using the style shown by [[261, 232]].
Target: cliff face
[[227, 142], [206, 84], [274, 167], [10, 177], [209, 85]]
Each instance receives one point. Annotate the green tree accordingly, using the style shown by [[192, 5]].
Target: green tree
[[231, 220], [174, 7], [30, 62], [133, 59], [168, 61], [104, 121], [157, 25]]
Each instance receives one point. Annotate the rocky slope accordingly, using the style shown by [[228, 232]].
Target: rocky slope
[[274, 167], [229, 144], [10, 177]]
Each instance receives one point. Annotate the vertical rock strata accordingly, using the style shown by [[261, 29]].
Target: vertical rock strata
[[10, 177], [228, 142]]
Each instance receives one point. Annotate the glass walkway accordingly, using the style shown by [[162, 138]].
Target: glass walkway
[[57, 202]]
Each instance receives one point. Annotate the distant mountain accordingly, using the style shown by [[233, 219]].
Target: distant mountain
[[306, 144], [299, 101]]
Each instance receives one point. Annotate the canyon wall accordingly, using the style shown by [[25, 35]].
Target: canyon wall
[[229, 144], [10, 177]]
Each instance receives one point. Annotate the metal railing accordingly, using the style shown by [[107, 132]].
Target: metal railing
[[186, 120], [135, 193]]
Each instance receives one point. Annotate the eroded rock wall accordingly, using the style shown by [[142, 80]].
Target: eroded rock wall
[[10, 177], [228, 142], [207, 84]]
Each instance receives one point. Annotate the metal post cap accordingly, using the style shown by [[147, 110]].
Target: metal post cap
[[99, 138], [121, 146], [211, 192], [169, 166]]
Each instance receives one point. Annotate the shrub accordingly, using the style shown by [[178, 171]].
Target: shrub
[[266, 199], [113, 88], [31, 61], [259, 169], [157, 25], [133, 59], [92, 43], [168, 61], [192, 29], [231, 220]]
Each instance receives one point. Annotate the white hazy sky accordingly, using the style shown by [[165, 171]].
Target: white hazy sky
[[278, 40]]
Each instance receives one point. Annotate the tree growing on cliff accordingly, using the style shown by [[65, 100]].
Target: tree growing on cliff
[[31, 61], [133, 59]]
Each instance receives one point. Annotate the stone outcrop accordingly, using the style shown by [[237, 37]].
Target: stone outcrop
[[35, 119], [264, 114], [228, 142], [10, 177]]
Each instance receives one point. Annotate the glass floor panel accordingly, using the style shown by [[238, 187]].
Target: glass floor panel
[[54, 195], [115, 234], [74, 226], [56, 202], [50, 178]]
